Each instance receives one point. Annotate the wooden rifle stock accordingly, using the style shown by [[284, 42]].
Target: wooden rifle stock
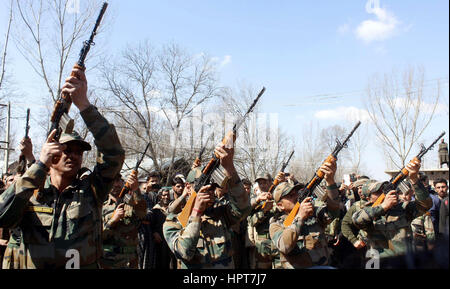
[[318, 177]]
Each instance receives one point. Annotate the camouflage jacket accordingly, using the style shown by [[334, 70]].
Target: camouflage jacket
[[260, 222], [205, 242], [122, 238], [423, 230], [303, 244], [388, 232], [348, 229], [51, 222]]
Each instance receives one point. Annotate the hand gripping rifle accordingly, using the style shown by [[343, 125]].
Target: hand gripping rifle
[[318, 177], [22, 161], [213, 164], [395, 181], [60, 119], [124, 197], [276, 182]]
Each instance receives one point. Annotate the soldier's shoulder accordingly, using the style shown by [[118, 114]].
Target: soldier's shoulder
[[171, 217], [278, 218]]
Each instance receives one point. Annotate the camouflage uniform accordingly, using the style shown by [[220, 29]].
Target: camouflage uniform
[[389, 232], [348, 229], [51, 222], [423, 231], [264, 247], [303, 243], [121, 239], [205, 242]]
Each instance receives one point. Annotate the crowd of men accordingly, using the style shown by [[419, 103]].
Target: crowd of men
[[57, 206]]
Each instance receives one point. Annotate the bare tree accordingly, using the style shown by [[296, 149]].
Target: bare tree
[[5, 49], [185, 82], [309, 154], [401, 110], [350, 158], [48, 35], [261, 147], [131, 97]]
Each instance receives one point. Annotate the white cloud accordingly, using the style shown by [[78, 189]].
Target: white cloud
[[349, 113], [222, 62], [384, 27]]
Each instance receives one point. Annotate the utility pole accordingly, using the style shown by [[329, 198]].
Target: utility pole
[[7, 149]]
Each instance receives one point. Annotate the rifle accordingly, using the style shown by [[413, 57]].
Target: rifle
[[318, 177], [60, 119], [276, 182], [22, 161], [395, 181], [212, 165], [124, 197], [198, 159]]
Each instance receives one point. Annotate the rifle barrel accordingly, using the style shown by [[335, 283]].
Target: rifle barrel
[[423, 152]]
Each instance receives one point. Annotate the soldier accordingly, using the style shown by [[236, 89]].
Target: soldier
[[53, 205], [357, 238], [259, 219], [443, 153], [205, 242], [388, 225], [422, 226], [349, 231], [26, 149], [120, 225], [303, 244], [259, 195], [146, 255]]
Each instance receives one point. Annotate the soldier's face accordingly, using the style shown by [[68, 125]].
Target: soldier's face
[[441, 189], [70, 161], [374, 196], [117, 187], [287, 203], [407, 196], [263, 185]]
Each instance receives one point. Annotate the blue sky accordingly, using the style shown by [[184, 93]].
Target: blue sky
[[296, 49]]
